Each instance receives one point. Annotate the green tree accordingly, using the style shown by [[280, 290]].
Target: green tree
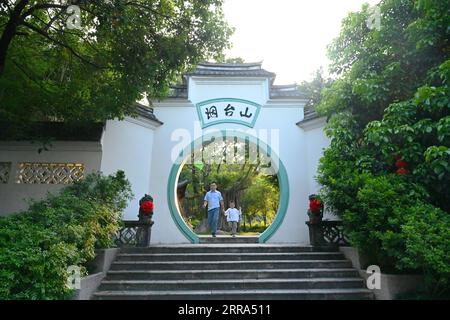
[[261, 200], [313, 88], [378, 67], [123, 51], [63, 229], [239, 179], [385, 68], [390, 105]]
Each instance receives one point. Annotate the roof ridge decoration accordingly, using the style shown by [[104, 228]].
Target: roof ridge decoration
[[253, 69], [146, 112], [230, 66]]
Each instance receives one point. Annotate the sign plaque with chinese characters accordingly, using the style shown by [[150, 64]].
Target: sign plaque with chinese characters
[[228, 110]]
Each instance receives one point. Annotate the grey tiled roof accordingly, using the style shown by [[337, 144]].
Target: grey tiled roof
[[178, 91], [231, 69], [276, 92], [146, 112], [308, 114], [255, 69], [286, 91]]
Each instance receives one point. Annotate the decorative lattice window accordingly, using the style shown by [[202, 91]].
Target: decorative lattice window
[[49, 173], [5, 169]]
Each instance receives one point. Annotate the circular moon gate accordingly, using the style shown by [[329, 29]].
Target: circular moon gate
[[275, 161]]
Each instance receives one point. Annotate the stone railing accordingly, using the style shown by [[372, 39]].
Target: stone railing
[[134, 233], [325, 233]]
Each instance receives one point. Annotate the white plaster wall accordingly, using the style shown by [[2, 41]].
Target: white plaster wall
[[316, 141], [292, 152], [181, 127], [13, 196], [205, 88], [147, 152], [128, 145], [164, 230]]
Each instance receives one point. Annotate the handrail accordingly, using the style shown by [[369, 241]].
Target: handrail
[[327, 232], [134, 233]]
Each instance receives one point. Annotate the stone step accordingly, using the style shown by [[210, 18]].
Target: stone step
[[229, 256], [226, 248], [297, 294], [232, 274], [229, 265], [223, 271], [228, 239], [231, 284]]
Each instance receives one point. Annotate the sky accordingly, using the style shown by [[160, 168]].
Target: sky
[[289, 36]]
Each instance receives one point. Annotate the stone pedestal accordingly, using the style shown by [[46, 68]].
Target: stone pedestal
[[144, 231], [315, 234]]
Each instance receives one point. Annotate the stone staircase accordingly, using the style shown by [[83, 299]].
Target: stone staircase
[[232, 270]]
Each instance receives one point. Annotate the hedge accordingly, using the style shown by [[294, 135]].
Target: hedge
[[64, 229]]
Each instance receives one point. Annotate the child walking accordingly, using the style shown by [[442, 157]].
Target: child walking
[[233, 216]]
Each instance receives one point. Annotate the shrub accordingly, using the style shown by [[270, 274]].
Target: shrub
[[427, 241], [389, 106], [257, 228], [378, 213], [392, 222], [37, 246], [418, 130]]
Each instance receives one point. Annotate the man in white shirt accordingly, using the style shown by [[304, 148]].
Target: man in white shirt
[[214, 201], [233, 216]]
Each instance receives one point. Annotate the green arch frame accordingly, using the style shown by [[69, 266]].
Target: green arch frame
[[176, 169]]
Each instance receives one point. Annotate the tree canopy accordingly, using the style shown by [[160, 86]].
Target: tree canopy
[[387, 170], [249, 181], [397, 75], [122, 51], [314, 88]]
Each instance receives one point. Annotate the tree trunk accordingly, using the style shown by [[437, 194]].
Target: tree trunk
[[10, 29]]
